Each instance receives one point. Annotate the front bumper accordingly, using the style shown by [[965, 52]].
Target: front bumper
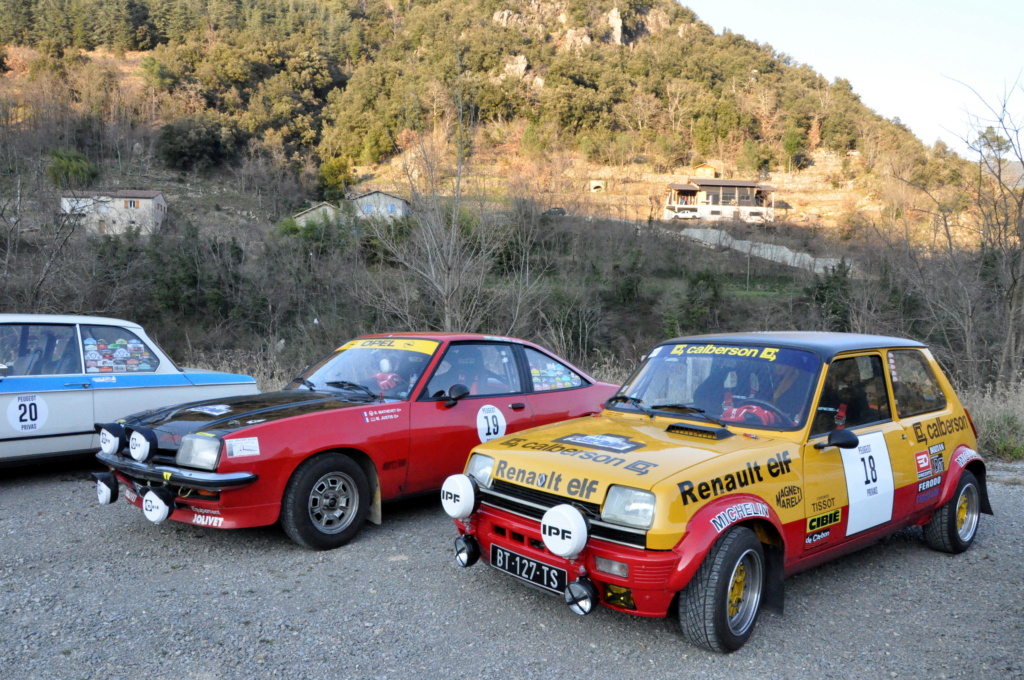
[[170, 475], [653, 577]]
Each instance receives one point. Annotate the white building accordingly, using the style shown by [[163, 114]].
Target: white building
[[321, 212], [379, 204], [115, 212]]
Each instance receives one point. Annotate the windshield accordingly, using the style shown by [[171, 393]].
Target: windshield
[[753, 386], [389, 367]]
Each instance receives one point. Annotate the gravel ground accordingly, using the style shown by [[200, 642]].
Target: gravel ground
[[99, 592]]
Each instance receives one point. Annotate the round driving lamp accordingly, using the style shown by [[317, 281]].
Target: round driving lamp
[[142, 444], [106, 487], [112, 437], [467, 551], [581, 596], [157, 504]]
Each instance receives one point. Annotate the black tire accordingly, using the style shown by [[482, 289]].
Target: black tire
[[326, 502], [955, 524], [720, 605]]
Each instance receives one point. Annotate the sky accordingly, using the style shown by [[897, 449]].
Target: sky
[[907, 59]]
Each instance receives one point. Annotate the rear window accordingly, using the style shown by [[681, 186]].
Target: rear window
[[914, 385], [112, 349]]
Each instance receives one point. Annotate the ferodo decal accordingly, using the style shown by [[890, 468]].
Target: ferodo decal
[[940, 427], [777, 465], [735, 513], [604, 442], [421, 346], [819, 522], [548, 481], [27, 413], [789, 497], [869, 483], [767, 353], [639, 467], [490, 423], [929, 484]]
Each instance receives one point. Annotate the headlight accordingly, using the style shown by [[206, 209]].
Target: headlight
[[632, 507], [199, 451], [479, 468]]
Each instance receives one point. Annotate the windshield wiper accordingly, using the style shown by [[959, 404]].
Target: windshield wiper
[[635, 401], [685, 408], [306, 383], [345, 384]]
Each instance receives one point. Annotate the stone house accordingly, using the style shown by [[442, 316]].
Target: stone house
[[379, 204], [116, 212]]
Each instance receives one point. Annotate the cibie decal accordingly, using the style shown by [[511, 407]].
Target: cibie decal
[[603, 442], [735, 513], [819, 522], [490, 423], [27, 413]]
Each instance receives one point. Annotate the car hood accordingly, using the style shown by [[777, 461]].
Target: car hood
[[233, 413], [634, 451]]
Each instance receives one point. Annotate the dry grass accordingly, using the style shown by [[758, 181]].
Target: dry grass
[[267, 367], [998, 413]]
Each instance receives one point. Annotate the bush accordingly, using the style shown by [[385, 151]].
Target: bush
[[196, 143], [70, 169], [998, 413]]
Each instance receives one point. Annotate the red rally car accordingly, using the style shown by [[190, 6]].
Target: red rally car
[[380, 418]]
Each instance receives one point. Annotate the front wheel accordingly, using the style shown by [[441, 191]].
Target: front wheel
[[955, 524], [719, 607], [326, 502]]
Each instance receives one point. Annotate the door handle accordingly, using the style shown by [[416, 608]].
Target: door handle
[[517, 406], [83, 384]]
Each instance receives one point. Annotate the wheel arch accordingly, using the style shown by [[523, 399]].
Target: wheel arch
[[369, 469], [966, 458]]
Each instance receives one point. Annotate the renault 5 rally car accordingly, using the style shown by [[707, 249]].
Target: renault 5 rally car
[[724, 464], [380, 418]]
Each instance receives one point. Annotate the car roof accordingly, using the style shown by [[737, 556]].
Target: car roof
[[451, 337], [824, 344], [66, 318]]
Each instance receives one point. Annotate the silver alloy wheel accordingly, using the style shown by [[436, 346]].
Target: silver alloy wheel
[[743, 593], [967, 512], [333, 502]]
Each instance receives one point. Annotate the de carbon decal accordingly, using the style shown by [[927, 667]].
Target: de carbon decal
[[639, 467], [817, 536]]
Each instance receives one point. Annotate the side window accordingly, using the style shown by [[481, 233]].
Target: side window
[[548, 375], [36, 349], [854, 394], [111, 349], [913, 384], [483, 368]]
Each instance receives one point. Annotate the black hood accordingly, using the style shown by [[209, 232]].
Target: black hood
[[232, 413]]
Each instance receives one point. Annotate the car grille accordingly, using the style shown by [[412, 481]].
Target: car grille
[[533, 503]]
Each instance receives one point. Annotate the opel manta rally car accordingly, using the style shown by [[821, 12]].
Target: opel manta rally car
[[724, 464], [59, 374], [382, 417]]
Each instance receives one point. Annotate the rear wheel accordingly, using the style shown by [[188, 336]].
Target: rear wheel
[[955, 524], [719, 607], [326, 502]]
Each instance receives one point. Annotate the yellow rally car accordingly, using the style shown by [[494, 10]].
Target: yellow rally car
[[724, 464]]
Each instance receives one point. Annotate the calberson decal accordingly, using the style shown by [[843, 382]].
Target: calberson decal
[[777, 465], [639, 467], [939, 428]]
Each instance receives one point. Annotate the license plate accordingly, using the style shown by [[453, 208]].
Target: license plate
[[530, 570]]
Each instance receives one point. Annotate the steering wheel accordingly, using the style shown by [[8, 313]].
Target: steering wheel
[[766, 405]]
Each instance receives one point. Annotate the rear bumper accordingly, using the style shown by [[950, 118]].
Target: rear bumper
[[653, 577]]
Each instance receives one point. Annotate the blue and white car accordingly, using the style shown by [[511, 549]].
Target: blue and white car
[[61, 374]]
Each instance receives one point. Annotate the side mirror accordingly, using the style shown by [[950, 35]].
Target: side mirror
[[3, 370], [843, 439], [456, 392]]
